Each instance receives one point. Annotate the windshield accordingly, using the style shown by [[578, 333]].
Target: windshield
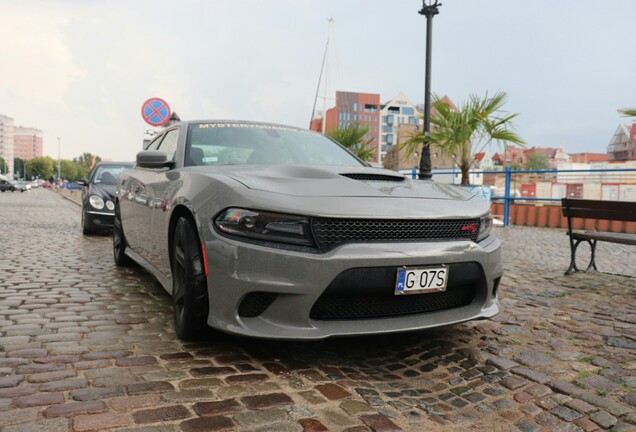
[[108, 174], [248, 143]]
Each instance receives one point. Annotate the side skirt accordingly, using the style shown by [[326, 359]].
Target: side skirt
[[165, 282]]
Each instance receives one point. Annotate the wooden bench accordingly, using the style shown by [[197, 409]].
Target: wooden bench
[[601, 210]]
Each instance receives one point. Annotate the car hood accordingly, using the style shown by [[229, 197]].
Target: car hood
[[103, 191], [340, 181]]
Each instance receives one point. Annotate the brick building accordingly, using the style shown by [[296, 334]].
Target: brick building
[[27, 142]]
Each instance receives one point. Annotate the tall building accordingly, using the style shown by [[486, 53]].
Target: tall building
[[622, 147], [27, 142], [6, 143], [395, 112], [354, 108]]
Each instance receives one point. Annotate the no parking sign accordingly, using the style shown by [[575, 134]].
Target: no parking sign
[[155, 112]]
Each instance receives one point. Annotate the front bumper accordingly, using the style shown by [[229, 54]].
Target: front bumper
[[100, 219], [298, 280]]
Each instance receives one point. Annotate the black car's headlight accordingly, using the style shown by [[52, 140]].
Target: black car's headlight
[[265, 226], [96, 201], [485, 226]]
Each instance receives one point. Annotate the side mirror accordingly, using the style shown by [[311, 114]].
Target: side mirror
[[153, 159], [82, 182]]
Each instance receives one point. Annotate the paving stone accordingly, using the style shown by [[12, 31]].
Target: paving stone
[[73, 409], [39, 399], [208, 424], [48, 425], [267, 401], [333, 391], [581, 406], [99, 422], [149, 387], [566, 413], [96, 393], [312, 425], [513, 382], [535, 358], [607, 404], [603, 419], [212, 370], [163, 414], [586, 424], [11, 380], [527, 426], [252, 419], [532, 375], [380, 423], [135, 361], [598, 382], [217, 408]]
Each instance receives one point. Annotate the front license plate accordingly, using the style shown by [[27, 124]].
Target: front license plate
[[421, 280]]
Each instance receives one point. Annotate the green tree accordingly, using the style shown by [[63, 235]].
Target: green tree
[[18, 167], [537, 161], [68, 170], [466, 131], [44, 167], [628, 112], [4, 167], [353, 138], [87, 161]]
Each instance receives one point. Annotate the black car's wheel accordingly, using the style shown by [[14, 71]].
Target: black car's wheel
[[86, 229], [189, 286], [119, 242]]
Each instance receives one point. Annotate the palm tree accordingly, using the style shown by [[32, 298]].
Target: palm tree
[[475, 125], [353, 139], [628, 112]]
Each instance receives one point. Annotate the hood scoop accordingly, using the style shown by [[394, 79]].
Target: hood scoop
[[374, 177]]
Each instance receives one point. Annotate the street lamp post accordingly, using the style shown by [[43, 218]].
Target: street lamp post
[[429, 10], [58, 159]]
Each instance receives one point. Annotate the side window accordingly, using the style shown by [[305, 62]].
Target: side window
[[169, 143], [154, 143]]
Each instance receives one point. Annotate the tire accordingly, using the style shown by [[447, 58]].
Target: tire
[[119, 242], [86, 229], [189, 283]]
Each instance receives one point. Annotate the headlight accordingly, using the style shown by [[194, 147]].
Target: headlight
[[110, 205], [485, 226], [266, 226], [96, 202]]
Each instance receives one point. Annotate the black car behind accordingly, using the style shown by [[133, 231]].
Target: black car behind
[[98, 196]]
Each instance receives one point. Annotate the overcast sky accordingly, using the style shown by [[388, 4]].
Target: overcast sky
[[81, 69]]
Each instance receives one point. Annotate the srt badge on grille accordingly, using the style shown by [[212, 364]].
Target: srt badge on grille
[[470, 227]]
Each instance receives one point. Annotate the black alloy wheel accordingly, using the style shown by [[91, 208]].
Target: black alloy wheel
[[119, 242], [189, 283]]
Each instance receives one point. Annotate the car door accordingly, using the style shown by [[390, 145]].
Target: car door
[[155, 212], [132, 199]]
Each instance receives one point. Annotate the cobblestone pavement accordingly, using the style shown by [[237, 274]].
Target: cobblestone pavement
[[87, 346]]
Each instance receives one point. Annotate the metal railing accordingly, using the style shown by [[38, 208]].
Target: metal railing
[[603, 176]]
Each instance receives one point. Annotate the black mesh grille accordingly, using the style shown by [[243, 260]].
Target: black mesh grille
[[367, 293], [255, 303], [329, 233], [334, 307], [374, 177]]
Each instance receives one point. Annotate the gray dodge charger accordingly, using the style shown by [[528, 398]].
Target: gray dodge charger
[[277, 232]]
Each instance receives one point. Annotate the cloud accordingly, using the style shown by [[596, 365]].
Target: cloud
[[38, 67]]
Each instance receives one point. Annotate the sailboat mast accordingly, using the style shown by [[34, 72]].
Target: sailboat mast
[[325, 60]]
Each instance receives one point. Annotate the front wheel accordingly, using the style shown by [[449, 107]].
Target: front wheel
[[86, 229], [119, 242], [189, 282]]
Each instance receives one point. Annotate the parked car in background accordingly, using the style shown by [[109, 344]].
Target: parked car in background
[[277, 232], [98, 196], [19, 186], [24, 184], [6, 185]]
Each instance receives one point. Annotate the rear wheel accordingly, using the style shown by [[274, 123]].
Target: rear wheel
[[119, 242], [189, 283]]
